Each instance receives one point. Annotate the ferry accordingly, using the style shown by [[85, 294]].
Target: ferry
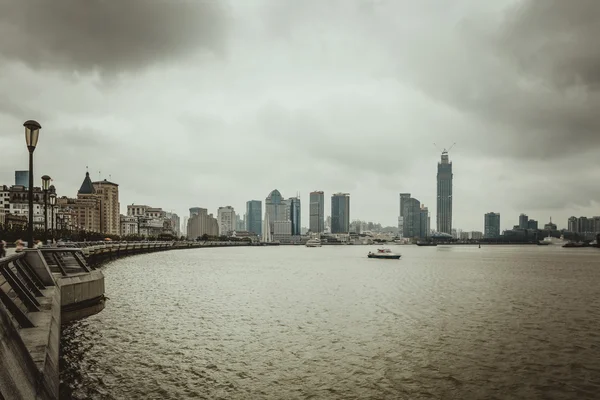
[[385, 254], [557, 241]]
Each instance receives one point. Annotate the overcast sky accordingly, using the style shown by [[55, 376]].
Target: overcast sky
[[194, 103]]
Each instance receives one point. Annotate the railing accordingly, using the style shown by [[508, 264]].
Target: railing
[[19, 288], [65, 260]]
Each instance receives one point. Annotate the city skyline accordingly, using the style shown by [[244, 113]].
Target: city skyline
[[327, 108]]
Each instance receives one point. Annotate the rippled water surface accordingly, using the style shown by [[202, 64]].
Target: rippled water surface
[[328, 323]]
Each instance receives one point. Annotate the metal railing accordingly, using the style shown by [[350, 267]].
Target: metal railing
[[19, 288]]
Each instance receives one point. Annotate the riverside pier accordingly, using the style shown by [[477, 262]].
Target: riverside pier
[[41, 289]]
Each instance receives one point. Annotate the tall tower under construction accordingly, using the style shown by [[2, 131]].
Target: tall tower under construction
[[444, 194]]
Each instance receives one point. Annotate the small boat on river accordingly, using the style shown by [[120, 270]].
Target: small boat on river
[[385, 254], [313, 243]]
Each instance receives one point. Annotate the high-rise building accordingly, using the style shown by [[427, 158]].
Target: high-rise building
[[424, 226], [201, 223], [340, 213], [403, 199], [22, 178], [532, 224], [317, 212], [254, 216], [277, 208], [523, 221], [295, 215], [226, 220], [411, 214], [110, 216], [444, 195], [491, 225]]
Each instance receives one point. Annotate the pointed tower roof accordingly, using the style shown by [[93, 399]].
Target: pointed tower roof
[[86, 186]]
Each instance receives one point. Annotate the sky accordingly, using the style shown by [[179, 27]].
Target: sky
[[202, 103]]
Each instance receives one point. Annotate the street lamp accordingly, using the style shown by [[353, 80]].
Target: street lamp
[[45, 186], [32, 133], [52, 204]]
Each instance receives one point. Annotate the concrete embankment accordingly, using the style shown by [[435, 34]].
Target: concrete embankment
[[40, 289]]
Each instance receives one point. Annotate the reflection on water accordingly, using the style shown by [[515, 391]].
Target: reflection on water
[[328, 323]]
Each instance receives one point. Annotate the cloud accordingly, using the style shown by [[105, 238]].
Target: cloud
[[108, 36], [533, 75]]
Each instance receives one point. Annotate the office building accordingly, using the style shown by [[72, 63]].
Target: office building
[[340, 213], [532, 224], [403, 199], [277, 208], [444, 195], [491, 225], [254, 216], [412, 218], [22, 179], [317, 212], [424, 222], [523, 221], [295, 216]]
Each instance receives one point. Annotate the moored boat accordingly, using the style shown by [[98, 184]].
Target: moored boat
[[385, 254], [426, 244]]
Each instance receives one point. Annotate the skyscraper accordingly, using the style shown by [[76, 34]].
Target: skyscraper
[[254, 216], [411, 214], [317, 212], [403, 199], [340, 213], [22, 178], [523, 221], [226, 220], [444, 195], [295, 215], [491, 226], [277, 208]]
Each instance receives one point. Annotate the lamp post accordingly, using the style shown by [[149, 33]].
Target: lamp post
[[45, 186], [52, 204], [32, 134]]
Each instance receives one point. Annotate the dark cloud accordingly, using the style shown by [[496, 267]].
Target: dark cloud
[[533, 77], [110, 36]]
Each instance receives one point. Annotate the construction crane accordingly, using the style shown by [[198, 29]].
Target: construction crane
[[444, 150]]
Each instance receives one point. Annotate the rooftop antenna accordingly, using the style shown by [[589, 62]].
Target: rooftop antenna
[[444, 150]]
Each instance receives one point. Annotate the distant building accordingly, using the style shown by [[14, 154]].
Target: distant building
[[277, 208], [412, 220], [201, 223], [340, 213], [295, 216], [550, 226], [424, 222], [317, 212], [491, 224], [129, 225], [282, 230], [403, 199], [532, 224], [254, 217], [22, 178], [572, 224], [110, 216], [523, 221], [226, 218], [444, 194]]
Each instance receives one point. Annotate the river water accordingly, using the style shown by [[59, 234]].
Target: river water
[[292, 322]]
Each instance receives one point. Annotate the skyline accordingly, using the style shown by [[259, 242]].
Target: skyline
[[340, 96]]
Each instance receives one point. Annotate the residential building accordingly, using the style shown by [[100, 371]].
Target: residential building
[[110, 217], [175, 223], [254, 216], [572, 224], [22, 178], [226, 218], [491, 225], [317, 212], [201, 223], [444, 195], [340, 213]]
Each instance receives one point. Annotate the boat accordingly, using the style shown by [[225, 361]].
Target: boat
[[385, 254], [577, 244], [426, 244], [553, 240], [314, 243]]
